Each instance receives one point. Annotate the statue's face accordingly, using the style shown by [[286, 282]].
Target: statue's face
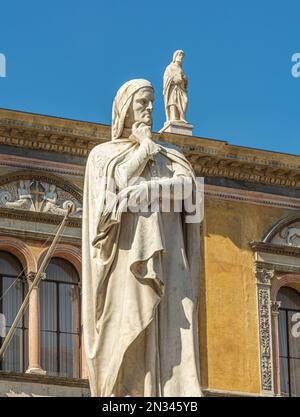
[[179, 57], [141, 108]]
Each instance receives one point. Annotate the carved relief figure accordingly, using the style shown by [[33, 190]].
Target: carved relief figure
[[38, 196], [50, 198], [25, 200], [140, 269], [175, 89], [291, 234]]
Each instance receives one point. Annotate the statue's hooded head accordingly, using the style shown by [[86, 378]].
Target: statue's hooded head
[[122, 103], [178, 54]]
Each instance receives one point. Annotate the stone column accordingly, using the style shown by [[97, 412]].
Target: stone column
[[275, 305], [34, 366], [263, 280]]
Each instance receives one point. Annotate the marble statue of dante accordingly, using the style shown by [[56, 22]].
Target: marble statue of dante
[[175, 89], [140, 269]]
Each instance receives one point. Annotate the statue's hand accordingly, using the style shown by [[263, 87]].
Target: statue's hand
[[140, 132]]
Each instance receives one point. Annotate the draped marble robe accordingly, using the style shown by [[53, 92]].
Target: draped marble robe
[[140, 282], [175, 92]]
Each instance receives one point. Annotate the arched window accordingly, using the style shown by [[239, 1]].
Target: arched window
[[60, 320], [289, 341], [11, 297]]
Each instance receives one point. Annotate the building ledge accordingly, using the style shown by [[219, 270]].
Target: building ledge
[[44, 379]]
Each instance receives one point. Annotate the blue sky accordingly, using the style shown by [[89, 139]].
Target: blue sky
[[67, 58]]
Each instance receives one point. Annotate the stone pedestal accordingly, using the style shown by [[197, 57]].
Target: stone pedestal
[[178, 127]]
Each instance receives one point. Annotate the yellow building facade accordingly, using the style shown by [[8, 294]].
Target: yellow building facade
[[250, 251]]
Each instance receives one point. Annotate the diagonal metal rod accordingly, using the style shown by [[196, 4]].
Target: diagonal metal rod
[[35, 283]]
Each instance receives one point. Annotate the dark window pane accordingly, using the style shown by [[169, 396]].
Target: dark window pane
[[69, 355], [290, 298], [9, 264], [60, 295], [13, 357], [49, 352], [283, 349], [25, 351], [289, 341], [12, 293], [68, 308], [284, 377], [48, 302], [12, 300], [295, 377], [61, 270], [294, 333]]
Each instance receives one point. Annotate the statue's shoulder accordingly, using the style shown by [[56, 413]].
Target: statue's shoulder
[[105, 151], [171, 68], [169, 71]]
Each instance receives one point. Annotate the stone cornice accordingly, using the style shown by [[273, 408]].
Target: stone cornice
[[33, 164], [275, 248], [32, 131], [278, 268], [209, 157], [253, 197], [43, 379], [39, 236], [210, 392], [38, 217]]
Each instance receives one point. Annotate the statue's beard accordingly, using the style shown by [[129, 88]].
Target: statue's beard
[[146, 120]]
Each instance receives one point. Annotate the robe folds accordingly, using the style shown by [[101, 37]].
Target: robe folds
[[140, 284], [174, 89]]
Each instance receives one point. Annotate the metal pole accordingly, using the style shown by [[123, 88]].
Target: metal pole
[[35, 282]]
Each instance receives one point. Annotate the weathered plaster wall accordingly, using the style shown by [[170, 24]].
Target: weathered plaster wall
[[229, 320]]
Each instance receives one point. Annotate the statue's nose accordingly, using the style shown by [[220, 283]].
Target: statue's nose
[[150, 106]]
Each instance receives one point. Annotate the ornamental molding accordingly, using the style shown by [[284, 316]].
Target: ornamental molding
[[280, 268], [266, 357], [40, 176], [50, 137], [283, 238], [33, 164], [275, 255], [264, 275], [15, 234], [250, 172], [263, 280], [274, 248], [253, 197], [37, 196], [209, 157], [26, 191], [37, 217], [275, 306], [30, 277]]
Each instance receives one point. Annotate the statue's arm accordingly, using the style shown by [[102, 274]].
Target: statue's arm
[[132, 168], [181, 181]]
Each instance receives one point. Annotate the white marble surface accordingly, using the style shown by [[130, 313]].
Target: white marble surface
[[140, 270]]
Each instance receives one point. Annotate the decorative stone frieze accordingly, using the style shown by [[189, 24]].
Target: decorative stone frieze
[[38, 196]]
